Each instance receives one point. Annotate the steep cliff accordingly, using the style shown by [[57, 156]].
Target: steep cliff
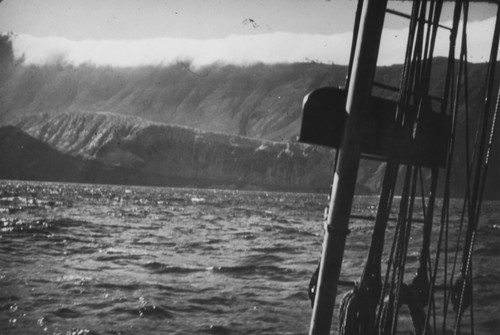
[[107, 148], [262, 101], [140, 122]]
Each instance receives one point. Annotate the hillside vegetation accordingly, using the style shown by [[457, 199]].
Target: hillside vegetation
[[219, 126]]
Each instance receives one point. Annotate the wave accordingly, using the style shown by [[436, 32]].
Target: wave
[[119, 257], [39, 227], [273, 272], [66, 313], [148, 311], [216, 329], [158, 267], [270, 272]]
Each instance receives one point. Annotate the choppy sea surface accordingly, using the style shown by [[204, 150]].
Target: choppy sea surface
[[101, 259]]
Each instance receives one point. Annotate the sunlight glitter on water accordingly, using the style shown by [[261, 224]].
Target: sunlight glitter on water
[[98, 259]]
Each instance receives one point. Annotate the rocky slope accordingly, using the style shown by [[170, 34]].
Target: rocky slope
[[106, 148], [137, 125], [259, 101]]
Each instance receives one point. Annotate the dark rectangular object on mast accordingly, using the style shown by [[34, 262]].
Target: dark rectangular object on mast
[[425, 143]]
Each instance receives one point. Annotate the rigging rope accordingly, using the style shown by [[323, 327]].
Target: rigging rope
[[401, 294], [372, 307], [358, 309], [462, 301]]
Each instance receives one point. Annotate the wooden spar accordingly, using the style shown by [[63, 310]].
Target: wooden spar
[[344, 179]]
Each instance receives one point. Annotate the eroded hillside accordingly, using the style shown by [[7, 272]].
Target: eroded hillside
[[142, 121]]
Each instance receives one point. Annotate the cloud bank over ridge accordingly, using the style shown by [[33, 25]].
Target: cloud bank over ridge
[[234, 49], [280, 47]]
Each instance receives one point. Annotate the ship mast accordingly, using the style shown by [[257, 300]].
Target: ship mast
[[344, 180], [410, 136]]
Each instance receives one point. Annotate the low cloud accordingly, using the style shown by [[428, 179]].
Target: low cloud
[[272, 48], [234, 49]]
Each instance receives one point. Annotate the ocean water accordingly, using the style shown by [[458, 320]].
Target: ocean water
[[101, 259]]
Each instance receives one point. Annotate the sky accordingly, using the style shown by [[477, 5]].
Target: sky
[[140, 32]]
